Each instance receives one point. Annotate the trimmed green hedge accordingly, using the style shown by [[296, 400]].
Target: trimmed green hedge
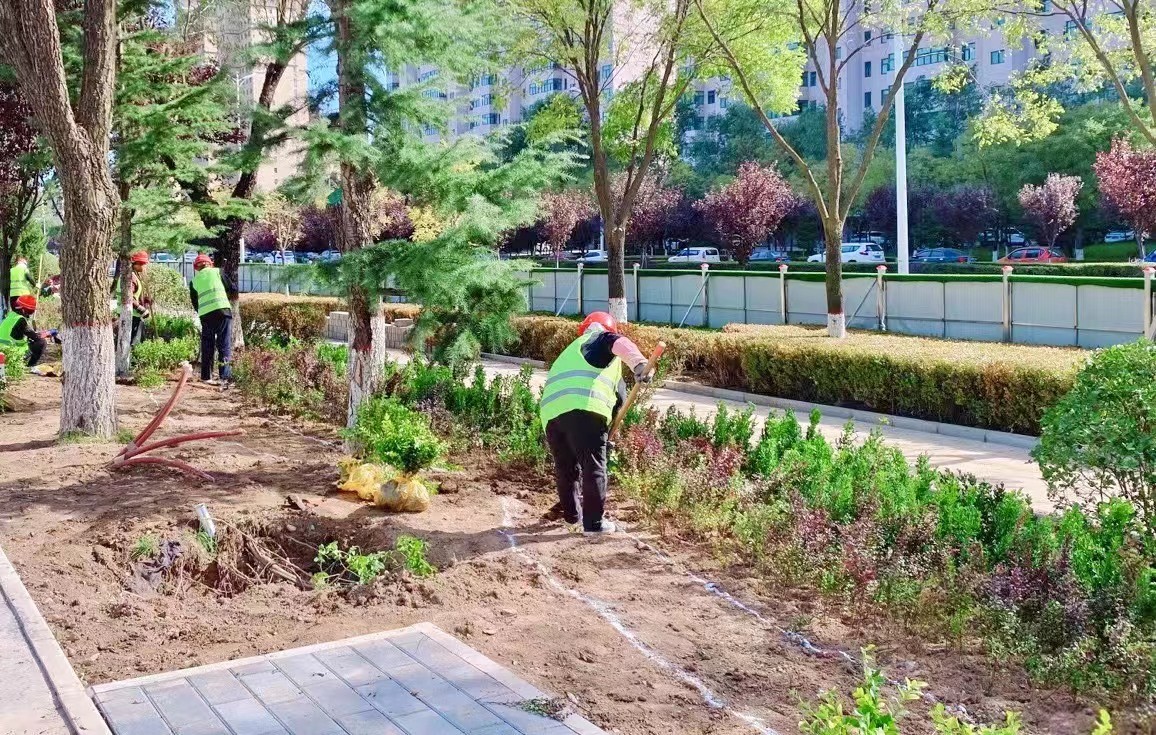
[[986, 385], [282, 319]]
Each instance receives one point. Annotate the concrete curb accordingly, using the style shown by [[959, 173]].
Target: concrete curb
[[1020, 441], [72, 702]]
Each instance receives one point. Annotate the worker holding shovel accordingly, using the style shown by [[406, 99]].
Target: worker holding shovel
[[584, 393]]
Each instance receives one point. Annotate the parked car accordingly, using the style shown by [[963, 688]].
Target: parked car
[[766, 255], [163, 258], [854, 252], [280, 257], [873, 236], [696, 255], [594, 256], [1011, 236], [1034, 255], [330, 255], [1119, 236], [941, 255], [190, 256], [1015, 237]]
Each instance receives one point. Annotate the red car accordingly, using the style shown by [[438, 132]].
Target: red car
[[1034, 255]]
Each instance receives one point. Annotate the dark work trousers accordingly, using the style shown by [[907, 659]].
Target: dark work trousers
[[137, 330], [36, 345], [577, 440], [217, 335]]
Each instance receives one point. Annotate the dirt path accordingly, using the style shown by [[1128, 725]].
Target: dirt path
[[632, 636]]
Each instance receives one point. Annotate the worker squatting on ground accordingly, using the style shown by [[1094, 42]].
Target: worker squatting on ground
[[141, 302], [16, 330], [210, 291], [20, 282], [584, 390]]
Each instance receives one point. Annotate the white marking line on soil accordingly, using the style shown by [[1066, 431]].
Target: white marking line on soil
[[606, 613]]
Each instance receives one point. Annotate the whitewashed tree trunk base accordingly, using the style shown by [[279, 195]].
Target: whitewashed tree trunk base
[[618, 310], [124, 341], [366, 367], [238, 332], [88, 403], [837, 325]]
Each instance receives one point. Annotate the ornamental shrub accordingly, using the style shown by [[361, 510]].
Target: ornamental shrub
[[388, 433]]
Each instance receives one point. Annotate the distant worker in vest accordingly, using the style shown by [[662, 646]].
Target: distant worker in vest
[[210, 292], [15, 329], [20, 282], [141, 302], [584, 391]]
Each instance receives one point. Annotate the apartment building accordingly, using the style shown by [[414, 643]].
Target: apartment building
[[228, 31]]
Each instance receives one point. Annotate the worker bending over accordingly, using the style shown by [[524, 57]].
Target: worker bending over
[[141, 303], [20, 282], [210, 292], [584, 391], [15, 329]]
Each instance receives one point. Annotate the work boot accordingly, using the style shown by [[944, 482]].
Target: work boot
[[211, 381], [608, 526]]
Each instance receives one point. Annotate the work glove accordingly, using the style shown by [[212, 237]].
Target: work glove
[[641, 373]]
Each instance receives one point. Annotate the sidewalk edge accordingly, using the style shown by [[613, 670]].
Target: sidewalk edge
[[72, 701]]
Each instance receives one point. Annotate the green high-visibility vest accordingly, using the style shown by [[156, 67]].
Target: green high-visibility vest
[[210, 290], [18, 281], [137, 290], [6, 327], [575, 385]]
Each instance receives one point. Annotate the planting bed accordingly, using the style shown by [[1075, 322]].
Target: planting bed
[[71, 527]]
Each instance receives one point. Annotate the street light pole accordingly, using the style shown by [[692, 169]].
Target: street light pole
[[900, 158]]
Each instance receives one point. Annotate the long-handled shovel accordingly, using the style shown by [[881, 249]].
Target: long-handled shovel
[[633, 395]]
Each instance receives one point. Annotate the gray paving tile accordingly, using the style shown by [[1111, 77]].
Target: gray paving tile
[[210, 727], [440, 695], [337, 698], [181, 706], [271, 686], [134, 715], [302, 717], [369, 723], [528, 722], [502, 729], [257, 667], [219, 687], [112, 695], [458, 671], [391, 698], [304, 669], [426, 723], [384, 655], [248, 717], [350, 666]]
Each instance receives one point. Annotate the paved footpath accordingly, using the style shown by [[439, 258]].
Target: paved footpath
[[994, 461]]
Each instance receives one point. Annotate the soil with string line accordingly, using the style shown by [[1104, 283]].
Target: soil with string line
[[70, 526]]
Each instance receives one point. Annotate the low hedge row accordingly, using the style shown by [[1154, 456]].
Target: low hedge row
[[270, 317], [992, 386]]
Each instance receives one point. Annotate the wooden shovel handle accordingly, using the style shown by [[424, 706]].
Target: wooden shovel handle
[[633, 395]]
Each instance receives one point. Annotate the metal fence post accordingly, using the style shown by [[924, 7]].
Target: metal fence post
[[530, 289], [705, 295], [1007, 314], [880, 297], [637, 296], [1148, 271], [783, 291], [581, 303]]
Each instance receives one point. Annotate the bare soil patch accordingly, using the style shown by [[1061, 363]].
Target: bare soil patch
[[70, 527]]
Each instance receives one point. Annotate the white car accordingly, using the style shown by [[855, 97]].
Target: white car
[[854, 252], [163, 258], [696, 255], [1119, 236], [278, 257], [594, 256]]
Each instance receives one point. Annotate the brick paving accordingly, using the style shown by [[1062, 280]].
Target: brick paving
[[414, 681]]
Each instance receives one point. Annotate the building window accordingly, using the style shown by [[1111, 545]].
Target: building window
[[867, 37], [724, 102], [838, 52], [887, 36], [604, 74], [699, 98], [866, 69], [710, 97], [493, 118], [997, 57], [926, 56], [886, 64], [1045, 6], [967, 51], [426, 76], [867, 100], [1070, 26]]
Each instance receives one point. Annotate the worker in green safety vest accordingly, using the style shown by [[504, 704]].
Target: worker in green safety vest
[[14, 329], [210, 292], [20, 282], [583, 392]]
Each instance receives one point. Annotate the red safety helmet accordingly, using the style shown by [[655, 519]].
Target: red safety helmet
[[140, 257], [25, 303], [201, 261], [598, 317]]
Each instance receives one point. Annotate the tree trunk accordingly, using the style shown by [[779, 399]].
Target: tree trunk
[[836, 319], [616, 283], [88, 403], [124, 298], [7, 257]]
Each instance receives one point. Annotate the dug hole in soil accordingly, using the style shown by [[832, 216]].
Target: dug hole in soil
[[70, 526]]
